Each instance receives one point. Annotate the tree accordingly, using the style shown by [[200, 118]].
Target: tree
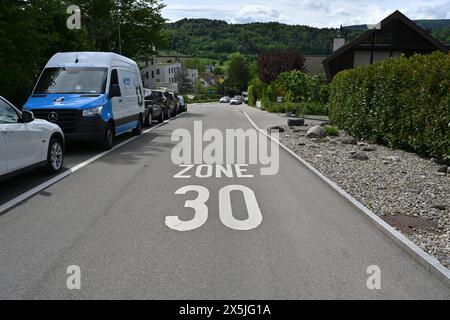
[[141, 24], [31, 31], [184, 83], [238, 75], [275, 62], [218, 71]]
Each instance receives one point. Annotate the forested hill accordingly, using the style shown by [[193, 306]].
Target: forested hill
[[217, 39]]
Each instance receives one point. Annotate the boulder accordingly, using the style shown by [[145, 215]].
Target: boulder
[[393, 159], [316, 132], [443, 169], [360, 156], [276, 128], [369, 149], [296, 122], [348, 140]]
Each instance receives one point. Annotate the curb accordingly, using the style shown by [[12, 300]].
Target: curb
[[430, 263]]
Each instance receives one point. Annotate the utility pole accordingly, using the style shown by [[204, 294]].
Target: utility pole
[[119, 22]]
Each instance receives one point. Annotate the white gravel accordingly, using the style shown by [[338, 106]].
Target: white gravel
[[400, 187]]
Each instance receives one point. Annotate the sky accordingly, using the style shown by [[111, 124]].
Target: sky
[[316, 13]]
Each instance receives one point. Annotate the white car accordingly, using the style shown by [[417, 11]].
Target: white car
[[224, 100], [236, 101], [27, 143]]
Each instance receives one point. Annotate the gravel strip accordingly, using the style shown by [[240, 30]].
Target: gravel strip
[[403, 189]]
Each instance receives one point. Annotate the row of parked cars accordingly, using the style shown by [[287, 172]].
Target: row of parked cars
[[79, 96], [236, 100]]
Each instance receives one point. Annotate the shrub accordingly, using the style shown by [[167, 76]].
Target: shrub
[[332, 131], [401, 102], [251, 96]]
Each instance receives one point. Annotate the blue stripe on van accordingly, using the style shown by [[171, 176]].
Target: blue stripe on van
[[126, 127]]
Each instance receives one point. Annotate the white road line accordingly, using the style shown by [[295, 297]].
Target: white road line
[[428, 261], [24, 196]]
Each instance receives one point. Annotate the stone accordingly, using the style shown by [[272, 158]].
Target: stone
[[296, 122], [443, 169], [362, 156], [316, 132], [439, 206], [393, 158], [369, 149], [348, 140], [275, 128]]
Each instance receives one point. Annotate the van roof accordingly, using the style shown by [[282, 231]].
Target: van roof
[[89, 59]]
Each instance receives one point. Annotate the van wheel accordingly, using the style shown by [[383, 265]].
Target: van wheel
[[55, 156], [108, 139], [138, 130]]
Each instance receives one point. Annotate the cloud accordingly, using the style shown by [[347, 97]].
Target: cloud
[[258, 13], [433, 11]]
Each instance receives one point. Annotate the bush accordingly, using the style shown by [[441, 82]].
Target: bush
[[401, 102], [332, 131], [301, 87]]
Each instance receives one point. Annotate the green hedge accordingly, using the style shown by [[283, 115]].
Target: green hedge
[[299, 108], [401, 102]]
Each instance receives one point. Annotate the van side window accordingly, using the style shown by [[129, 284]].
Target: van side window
[[114, 77]]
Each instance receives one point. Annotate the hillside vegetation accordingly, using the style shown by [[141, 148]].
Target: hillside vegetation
[[217, 39]]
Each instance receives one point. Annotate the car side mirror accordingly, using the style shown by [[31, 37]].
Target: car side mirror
[[114, 91], [27, 116]]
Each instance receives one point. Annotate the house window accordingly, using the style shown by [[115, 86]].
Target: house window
[[157, 71], [146, 75], [153, 74]]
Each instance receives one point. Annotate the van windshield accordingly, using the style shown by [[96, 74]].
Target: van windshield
[[72, 80]]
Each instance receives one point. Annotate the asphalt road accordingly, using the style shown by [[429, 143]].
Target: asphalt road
[[109, 219]]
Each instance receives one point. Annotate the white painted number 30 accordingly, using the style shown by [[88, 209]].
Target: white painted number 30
[[226, 215]]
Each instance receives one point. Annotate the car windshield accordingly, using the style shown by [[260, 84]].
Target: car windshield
[[72, 80]]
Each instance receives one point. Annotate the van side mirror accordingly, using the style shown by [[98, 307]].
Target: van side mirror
[[114, 91], [27, 116]]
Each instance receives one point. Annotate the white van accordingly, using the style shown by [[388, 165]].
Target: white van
[[92, 96]]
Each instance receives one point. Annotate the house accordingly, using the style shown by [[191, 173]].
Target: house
[[207, 80], [393, 36], [192, 75], [148, 74]]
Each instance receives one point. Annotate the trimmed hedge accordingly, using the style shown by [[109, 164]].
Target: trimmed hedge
[[401, 102]]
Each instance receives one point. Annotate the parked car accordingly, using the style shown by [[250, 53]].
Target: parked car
[[154, 103], [237, 100], [173, 103], [245, 97], [160, 96], [224, 100], [182, 103], [26, 143], [92, 96]]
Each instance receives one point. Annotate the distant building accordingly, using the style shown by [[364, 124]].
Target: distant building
[[207, 79], [393, 36], [192, 75], [148, 74]]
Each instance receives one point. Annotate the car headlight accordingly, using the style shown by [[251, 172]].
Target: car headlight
[[92, 112]]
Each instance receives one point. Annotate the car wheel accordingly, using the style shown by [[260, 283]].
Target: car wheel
[[161, 117], [138, 130], [108, 139], [55, 156], [148, 120]]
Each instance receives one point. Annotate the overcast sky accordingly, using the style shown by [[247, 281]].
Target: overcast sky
[[318, 13]]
